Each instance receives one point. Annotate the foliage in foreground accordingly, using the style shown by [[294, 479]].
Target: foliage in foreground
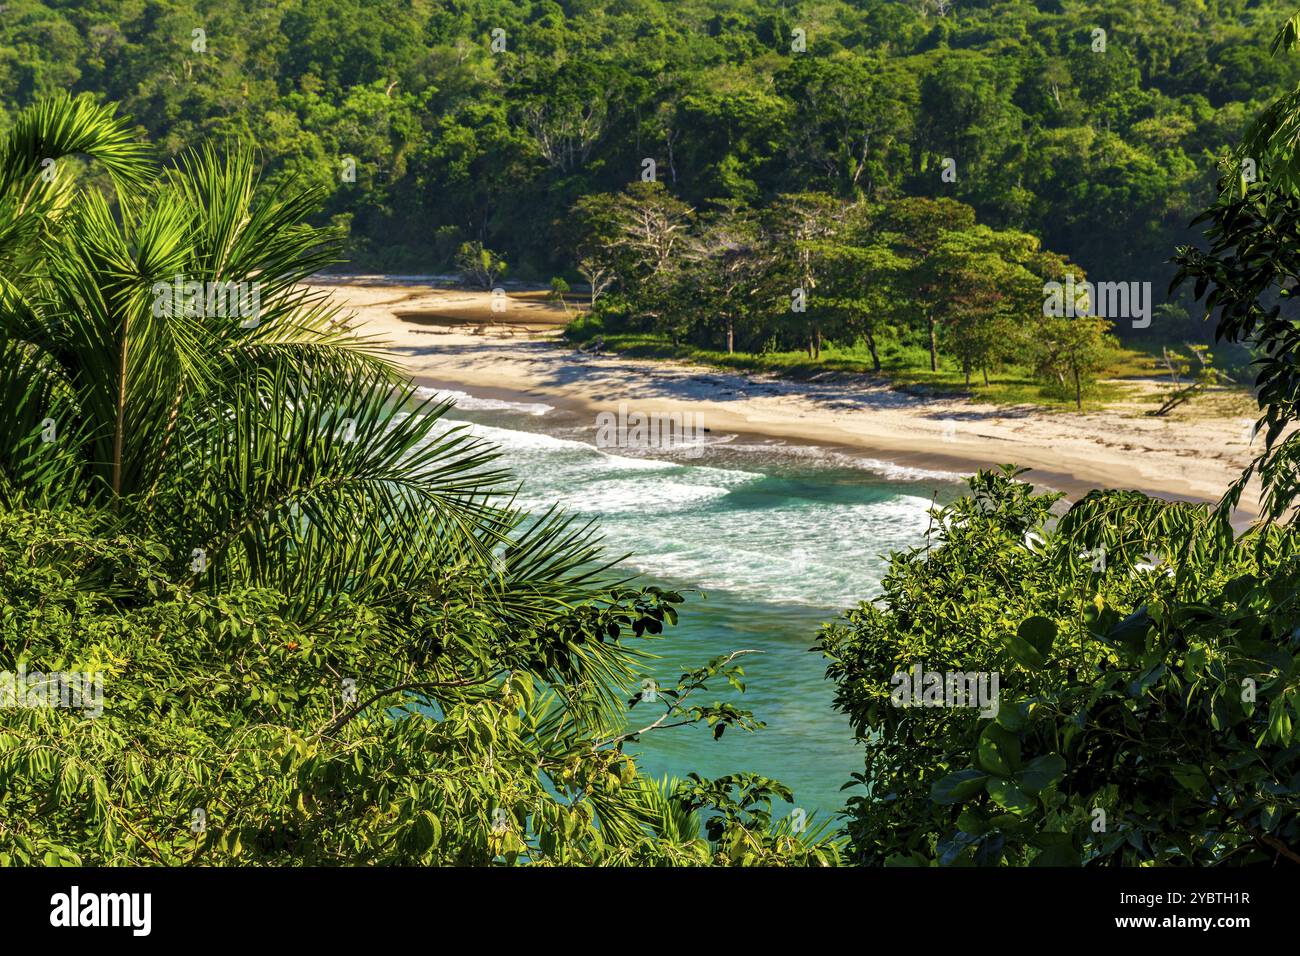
[[232, 733], [1147, 687], [326, 635]]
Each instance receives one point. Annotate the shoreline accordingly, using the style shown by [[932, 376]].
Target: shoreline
[[927, 465], [452, 340]]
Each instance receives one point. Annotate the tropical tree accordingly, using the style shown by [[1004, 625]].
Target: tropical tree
[[590, 231], [996, 281], [798, 225], [919, 226], [854, 117], [1069, 350], [650, 226], [650, 231], [861, 281], [728, 266], [323, 621], [975, 319], [479, 266]]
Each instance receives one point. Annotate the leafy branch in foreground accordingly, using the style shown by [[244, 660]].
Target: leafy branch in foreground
[[718, 715], [1146, 706]]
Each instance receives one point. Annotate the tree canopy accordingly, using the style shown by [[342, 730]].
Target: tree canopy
[[1095, 126]]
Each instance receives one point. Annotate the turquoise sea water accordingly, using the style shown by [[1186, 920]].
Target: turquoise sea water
[[773, 538]]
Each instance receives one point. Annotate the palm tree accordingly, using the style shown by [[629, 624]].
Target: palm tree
[[279, 451], [247, 426], [166, 369]]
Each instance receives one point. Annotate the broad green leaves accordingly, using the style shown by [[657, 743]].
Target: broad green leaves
[[960, 786], [1032, 642], [1139, 705]]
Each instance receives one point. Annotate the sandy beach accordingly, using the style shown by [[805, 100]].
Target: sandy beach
[[452, 338]]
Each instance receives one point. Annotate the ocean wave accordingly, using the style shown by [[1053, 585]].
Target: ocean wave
[[830, 555], [621, 496], [474, 403], [759, 533], [840, 459], [586, 455]]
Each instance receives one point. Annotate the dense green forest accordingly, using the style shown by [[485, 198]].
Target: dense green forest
[[1102, 154]]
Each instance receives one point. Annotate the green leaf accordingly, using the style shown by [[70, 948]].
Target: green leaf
[[1279, 723], [972, 821], [1131, 632], [998, 751], [1038, 631], [1041, 772], [427, 833], [1057, 853], [1191, 777], [1008, 795], [958, 787], [1032, 642], [1013, 717]]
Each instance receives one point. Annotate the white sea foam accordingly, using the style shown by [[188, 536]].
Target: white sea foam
[[633, 497], [766, 536], [476, 403], [839, 459], [822, 554], [585, 456]]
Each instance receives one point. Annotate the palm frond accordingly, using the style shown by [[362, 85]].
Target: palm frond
[[34, 187]]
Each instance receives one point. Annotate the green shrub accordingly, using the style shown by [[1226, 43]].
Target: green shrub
[[1147, 685]]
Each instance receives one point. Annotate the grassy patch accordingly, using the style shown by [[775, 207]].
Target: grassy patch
[[906, 367]]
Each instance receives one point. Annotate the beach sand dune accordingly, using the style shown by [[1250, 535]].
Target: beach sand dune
[[452, 338]]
